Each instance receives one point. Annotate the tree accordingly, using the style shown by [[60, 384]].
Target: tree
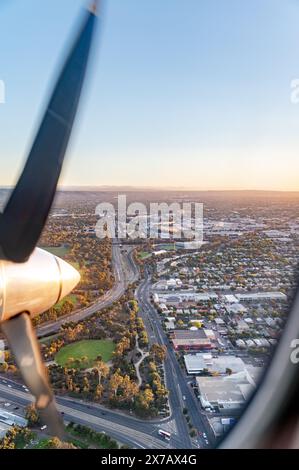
[[56, 443], [102, 369], [129, 388], [123, 345], [144, 400], [158, 352], [15, 437], [4, 367], [86, 385], [98, 392], [143, 338], [32, 415], [114, 383]]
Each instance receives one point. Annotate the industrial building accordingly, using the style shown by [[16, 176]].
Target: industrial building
[[226, 394], [260, 296], [197, 363], [193, 340]]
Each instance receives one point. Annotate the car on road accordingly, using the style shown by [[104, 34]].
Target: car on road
[[6, 405], [184, 397], [43, 428], [204, 435], [9, 386]]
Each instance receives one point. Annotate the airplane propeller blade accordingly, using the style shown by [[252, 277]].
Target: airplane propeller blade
[[22, 340], [26, 213], [27, 210]]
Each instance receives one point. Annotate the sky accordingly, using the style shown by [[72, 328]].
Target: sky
[[181, 93]]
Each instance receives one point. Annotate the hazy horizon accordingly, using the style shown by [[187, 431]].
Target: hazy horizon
[[195, 97], [93, 188]]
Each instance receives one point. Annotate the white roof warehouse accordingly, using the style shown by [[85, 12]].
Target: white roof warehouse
[[196, 363]]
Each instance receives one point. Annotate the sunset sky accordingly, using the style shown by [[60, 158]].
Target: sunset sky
[[183, 93]]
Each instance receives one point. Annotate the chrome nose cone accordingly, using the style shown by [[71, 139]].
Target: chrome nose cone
[[69, 277], [34, 286]]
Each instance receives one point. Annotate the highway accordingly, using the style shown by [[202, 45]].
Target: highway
[[125, 272], [125, 429], [181, 395]]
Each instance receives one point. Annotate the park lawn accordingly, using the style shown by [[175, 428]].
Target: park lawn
[[60, 251], [168, 247], [144, 255], [72, 298], [88, 348]]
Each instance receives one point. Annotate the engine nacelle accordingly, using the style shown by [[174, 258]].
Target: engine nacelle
[[34, 286]]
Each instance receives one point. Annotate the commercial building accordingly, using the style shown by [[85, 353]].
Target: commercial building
[[193, 245], [260, 296], [192, 334], [230, 299], [169, 325], [226, 394], [197, 363], [184, 296], [193, 340], [236, 308], [191, 344]]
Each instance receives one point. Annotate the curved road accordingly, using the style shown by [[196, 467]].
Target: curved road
[[125, 272]]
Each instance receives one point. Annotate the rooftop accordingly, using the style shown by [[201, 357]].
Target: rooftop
[[200, 361]]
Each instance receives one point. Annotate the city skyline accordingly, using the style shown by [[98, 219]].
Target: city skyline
[[195, 98]]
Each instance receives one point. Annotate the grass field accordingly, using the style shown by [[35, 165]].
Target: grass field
[[144, 255], [166, 246], [60, 251], [88, 348], [70, 297]]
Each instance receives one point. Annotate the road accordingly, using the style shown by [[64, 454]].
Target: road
[[181, 395], [125, 272], [125, 429]]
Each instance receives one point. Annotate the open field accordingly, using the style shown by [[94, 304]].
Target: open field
[[60, 251], [144, 255], [71, 297], [166, 246], [86, 348]]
